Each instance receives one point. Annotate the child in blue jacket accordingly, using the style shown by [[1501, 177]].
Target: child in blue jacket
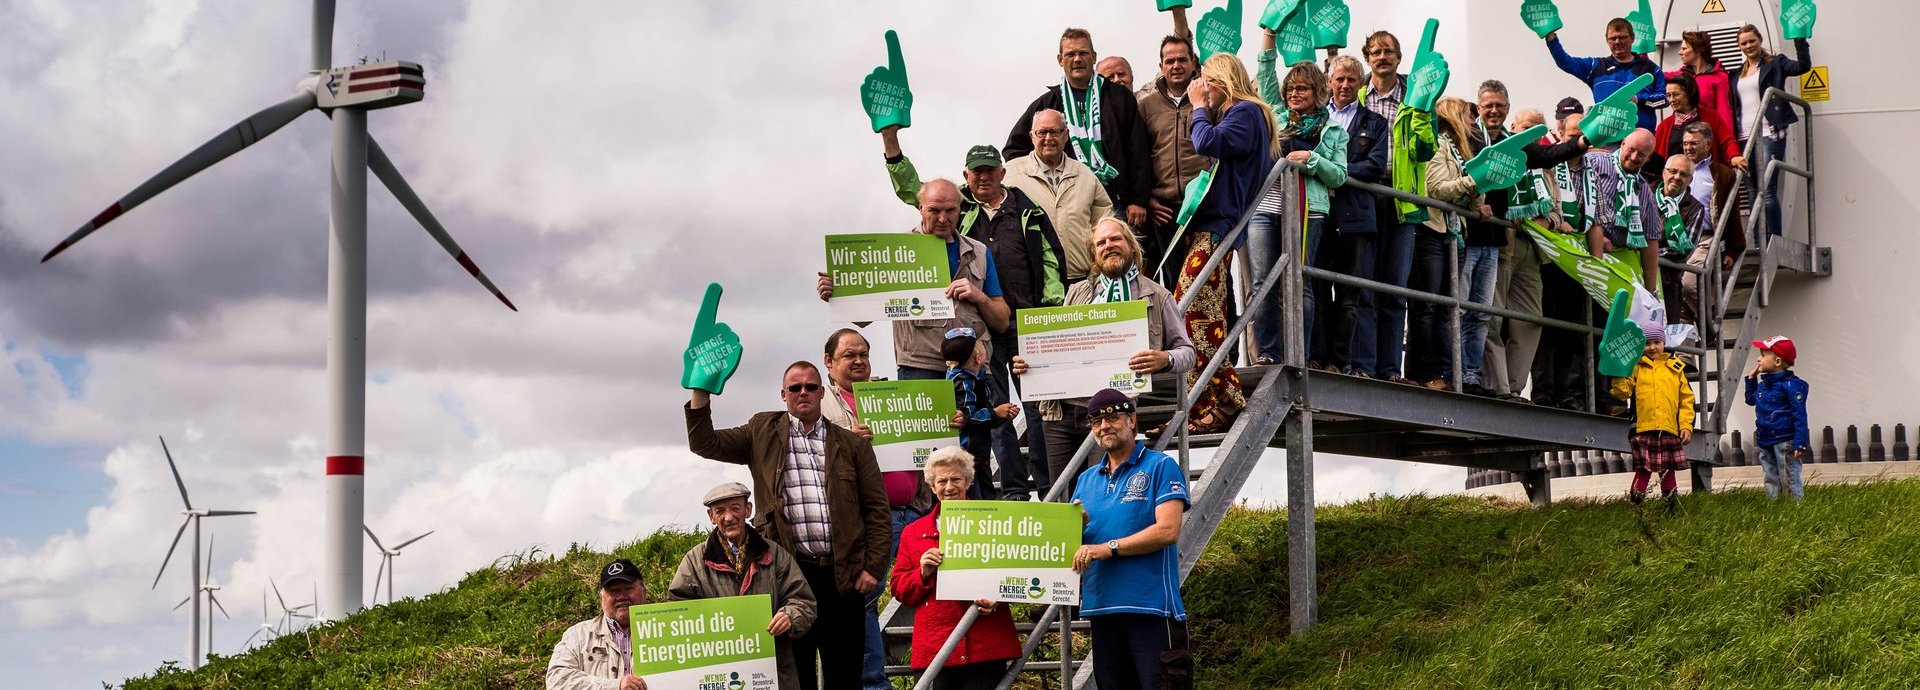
[[1779, 401], [974, 398]]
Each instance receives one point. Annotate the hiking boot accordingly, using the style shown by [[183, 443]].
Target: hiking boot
[[1636, 497]]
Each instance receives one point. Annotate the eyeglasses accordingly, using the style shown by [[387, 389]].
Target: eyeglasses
[[1044, 133], [1299, 88], [808, 387]]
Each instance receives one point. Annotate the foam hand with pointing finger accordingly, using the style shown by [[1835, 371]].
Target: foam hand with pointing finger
[[1165, 5], [1330, 20], [884, 95], [1615, 116], [1430, 72], [1502, 165], [1796, 18], [1542, 16], [1622, 342], [1645, 37], [1276, 13], [1218, 31], [1295, 40], [713, 351]]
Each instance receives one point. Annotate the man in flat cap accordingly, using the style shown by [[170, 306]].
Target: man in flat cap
[[1130, 560], [737, 561], [597, 654]]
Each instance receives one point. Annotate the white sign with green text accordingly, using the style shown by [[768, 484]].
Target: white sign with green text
[[897, 276], [1010, 551], [1075, 350], [705, 644], [909, 420]]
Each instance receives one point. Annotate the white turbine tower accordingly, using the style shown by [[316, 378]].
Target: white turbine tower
[[193, 518], [209, 588], [345, 94], [386, 562]]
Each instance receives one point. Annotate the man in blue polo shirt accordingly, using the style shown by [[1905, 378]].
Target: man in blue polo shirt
[[1130, 563]]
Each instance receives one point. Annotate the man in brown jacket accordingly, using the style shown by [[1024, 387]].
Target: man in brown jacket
[[1169, 116], [736, 561], [821, 499]]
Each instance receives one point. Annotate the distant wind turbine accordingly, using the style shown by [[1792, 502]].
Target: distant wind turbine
[[266, 626], [287, 614], [386, 561], [193, 518], [345, 94], [209, 588]]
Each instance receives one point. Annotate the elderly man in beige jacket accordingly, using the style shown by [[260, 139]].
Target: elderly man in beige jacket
[[1063, 187], [736, 561], [597, 654]]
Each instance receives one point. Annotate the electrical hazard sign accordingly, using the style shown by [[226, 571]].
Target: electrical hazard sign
[[1714, 7], [1813, 86]]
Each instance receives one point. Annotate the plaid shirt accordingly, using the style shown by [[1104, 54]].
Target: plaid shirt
[[1387, 103], [803, 484]]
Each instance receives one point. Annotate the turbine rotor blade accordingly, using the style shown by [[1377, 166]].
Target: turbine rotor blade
[[224, 513], [210, 537], [246, 133], [176, 473], [376, 579], [410, 541], [322, 35], [183, 602], [250, 638], [276, 594], [383, 168], [170, 550], [376, 540], [216, 604]]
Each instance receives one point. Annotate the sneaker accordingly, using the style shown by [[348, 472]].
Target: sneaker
[[1510, 397], [1636, 497], [1477, 390]]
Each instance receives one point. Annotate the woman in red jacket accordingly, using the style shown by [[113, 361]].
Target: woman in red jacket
[[1715, 85], [980, 660], [1683, 94]]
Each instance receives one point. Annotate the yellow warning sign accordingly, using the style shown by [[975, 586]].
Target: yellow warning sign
[[1813, 86], [1713, 7]]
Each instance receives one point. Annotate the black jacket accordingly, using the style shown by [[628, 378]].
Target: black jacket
[[1485, 234], [1773, 74], [1123, 136], [1369, 159], [1039, 240]]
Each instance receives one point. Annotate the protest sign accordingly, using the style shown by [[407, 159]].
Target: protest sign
[[888, 277], [705, 644], [909, 420], [1009, 551], [1075, 350]]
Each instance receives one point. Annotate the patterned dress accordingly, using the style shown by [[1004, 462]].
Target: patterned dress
[[1207, 328]]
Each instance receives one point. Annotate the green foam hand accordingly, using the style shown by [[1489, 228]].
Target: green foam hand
[[1646, 39], [1165, 5], [1622, 343], [1430, 72], [1796, 18], [1501, 165], [1615, 116], [1276, 14], [1330, 20], [1295, 40], [713, 352], [885, 95], [1542, 16], [1196, 190], [1218, 31]]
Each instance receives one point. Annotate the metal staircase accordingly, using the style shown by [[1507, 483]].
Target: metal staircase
[[1293, 407]]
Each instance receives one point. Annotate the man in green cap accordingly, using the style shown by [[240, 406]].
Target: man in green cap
[[1026, 253]]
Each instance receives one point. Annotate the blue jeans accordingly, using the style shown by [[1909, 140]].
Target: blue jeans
[[1782, 469], [1311, 252], [1380, 323], [1263, 248], [1430, 344], [1770, 149], [1479, 266], [1020, 476], [907, 373], [873, 666]]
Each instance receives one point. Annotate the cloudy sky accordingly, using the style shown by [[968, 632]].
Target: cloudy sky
[[602, 161]]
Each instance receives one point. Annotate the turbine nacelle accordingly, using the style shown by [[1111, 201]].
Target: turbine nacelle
[[370, 86]]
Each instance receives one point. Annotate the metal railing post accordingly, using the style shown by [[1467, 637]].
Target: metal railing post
[[1592, 361], [1453, 315], [946, 649]]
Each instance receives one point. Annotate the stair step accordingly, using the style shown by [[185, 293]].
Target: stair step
[[1030, 667], [1022, 627]]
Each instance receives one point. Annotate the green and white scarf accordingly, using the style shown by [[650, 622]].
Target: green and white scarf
[[1115, 290], [1626, 202], [1571, 207], [1678, 239], [1083, 128]]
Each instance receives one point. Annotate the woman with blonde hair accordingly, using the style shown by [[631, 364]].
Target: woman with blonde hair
[[1311, 139], [1429, 345], [1235, 128]]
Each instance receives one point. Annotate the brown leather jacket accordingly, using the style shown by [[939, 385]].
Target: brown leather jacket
[[1175, 163], [856, 498]]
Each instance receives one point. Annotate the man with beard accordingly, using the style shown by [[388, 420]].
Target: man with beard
[[1103, 127], [597, 654], [736, 561], [1132, 502], [1118, 279]]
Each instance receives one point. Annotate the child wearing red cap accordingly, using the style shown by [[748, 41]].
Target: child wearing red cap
[[1662, 417], [1779, 400]]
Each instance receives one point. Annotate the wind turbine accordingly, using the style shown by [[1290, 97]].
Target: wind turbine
[[386, 561], [345, 94], [266, 627], [286, 614], [209, 588], [193, 518]]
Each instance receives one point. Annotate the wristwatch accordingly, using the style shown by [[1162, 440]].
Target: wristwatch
[[1114, 545]]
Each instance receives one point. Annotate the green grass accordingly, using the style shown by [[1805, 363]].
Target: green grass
[[1416, 592]]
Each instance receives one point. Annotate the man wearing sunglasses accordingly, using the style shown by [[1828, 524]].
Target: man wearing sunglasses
[[821, 499]]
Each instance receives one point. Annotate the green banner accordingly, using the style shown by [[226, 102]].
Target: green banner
[[909, 419], [1009, 551], [705, 644], [1601, 277], [888, 276]]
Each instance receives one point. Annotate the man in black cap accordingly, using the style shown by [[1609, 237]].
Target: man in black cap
[[597, 654], [1130, 558], [1567, 106], [736, 561]]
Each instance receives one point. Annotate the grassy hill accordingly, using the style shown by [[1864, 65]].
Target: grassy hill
[[1420, 592]]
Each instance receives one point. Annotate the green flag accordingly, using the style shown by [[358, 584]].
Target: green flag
[[885, 95], [1218, 31], [1600, 276]]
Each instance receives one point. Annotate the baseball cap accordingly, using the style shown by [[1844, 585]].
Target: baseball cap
[[724, 492], [983, 156], [621, 570], [1108, 401], [1779, 345], [1568, 106], [958, 346]]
